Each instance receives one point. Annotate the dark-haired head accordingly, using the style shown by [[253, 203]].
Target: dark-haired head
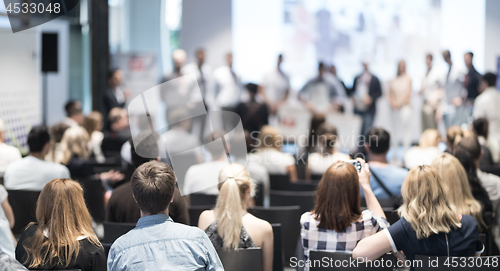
[[38, 139], [481, 127], [490, 79], [73, 108], [377, 141], [467, 160]]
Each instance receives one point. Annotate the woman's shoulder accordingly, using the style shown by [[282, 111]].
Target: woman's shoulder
[[254, 221]]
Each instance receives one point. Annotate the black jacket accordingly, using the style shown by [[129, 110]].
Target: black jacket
[[110, 102], [374, 91]]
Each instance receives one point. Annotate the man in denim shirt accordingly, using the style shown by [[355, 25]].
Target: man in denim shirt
[[157, 243]]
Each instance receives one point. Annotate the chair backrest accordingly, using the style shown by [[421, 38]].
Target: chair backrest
[[279, 181], [336, 260], [277, 248], [305, 199], [198, 199], [391, 215], [432, 263], [93, 192], [114, 230], [384, 202], [303, 186], [107, 247], [195, 212], [316, 177], [23, 204], [284, 215], [259, 195], [249, 259]]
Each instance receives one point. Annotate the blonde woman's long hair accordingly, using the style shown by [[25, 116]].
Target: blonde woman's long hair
[[75, 142], [457, 186], [234, 182], [425, 205], [62, 213]]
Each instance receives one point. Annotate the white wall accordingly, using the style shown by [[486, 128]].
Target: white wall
[[207, 24], [492, 35]]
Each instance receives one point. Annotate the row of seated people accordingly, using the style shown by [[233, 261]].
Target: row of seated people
[[335, 223]]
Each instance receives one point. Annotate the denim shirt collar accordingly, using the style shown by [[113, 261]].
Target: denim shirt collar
[[151, 220]]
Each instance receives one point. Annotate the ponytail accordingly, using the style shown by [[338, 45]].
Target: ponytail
[[228, 212], [234, 182]]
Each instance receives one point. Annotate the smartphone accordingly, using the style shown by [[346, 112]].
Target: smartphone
[[355, 163]]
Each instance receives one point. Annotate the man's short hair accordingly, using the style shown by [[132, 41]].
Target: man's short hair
[[153, 185], [446, 54], [471, 144], [72, 108], [481, 127], [115, 114], [215, 149], [378, 140], [490, 79], [111, 73], [470, 53], [37, 138], [429, 56], [252, 88]]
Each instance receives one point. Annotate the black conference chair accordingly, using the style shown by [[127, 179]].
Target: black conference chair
[[391, 215], [93, 192], [195, 212], [249, 259], [335, 260], [277, 248], [305, 199], [316, 177], [114, 230], [23, 205], [384, 202], [107, 247], [278, 181], [432, 263], [289, 218], [202, 199], [303, 186], [259, 195]]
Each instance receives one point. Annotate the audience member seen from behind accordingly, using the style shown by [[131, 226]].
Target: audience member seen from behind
[[486, 105], [326, 154], [457, 187], [75, 154], [337, 223], [426, 151], [93, 125], [156, 240], [489, 145], [453, 135], [74, 113], [56, 133], [9, 153], [62, 237], [203, 178], [122, 208], [377, 144], [269, 154], [441, 232], [33, 172], [7, 239], [229, 226], [118, 133], [490, 182]]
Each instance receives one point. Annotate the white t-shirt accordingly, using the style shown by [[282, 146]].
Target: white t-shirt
[[6, 240], [274, 161], [276, 84], [491, 184], [8, 154], [486, 106], [31, 173], [319, 163], [203, 178]]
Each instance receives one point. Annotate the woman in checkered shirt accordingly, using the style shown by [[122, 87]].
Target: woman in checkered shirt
[[336, 223]]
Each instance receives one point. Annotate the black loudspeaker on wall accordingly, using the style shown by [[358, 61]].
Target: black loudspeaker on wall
[[49, 52]]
